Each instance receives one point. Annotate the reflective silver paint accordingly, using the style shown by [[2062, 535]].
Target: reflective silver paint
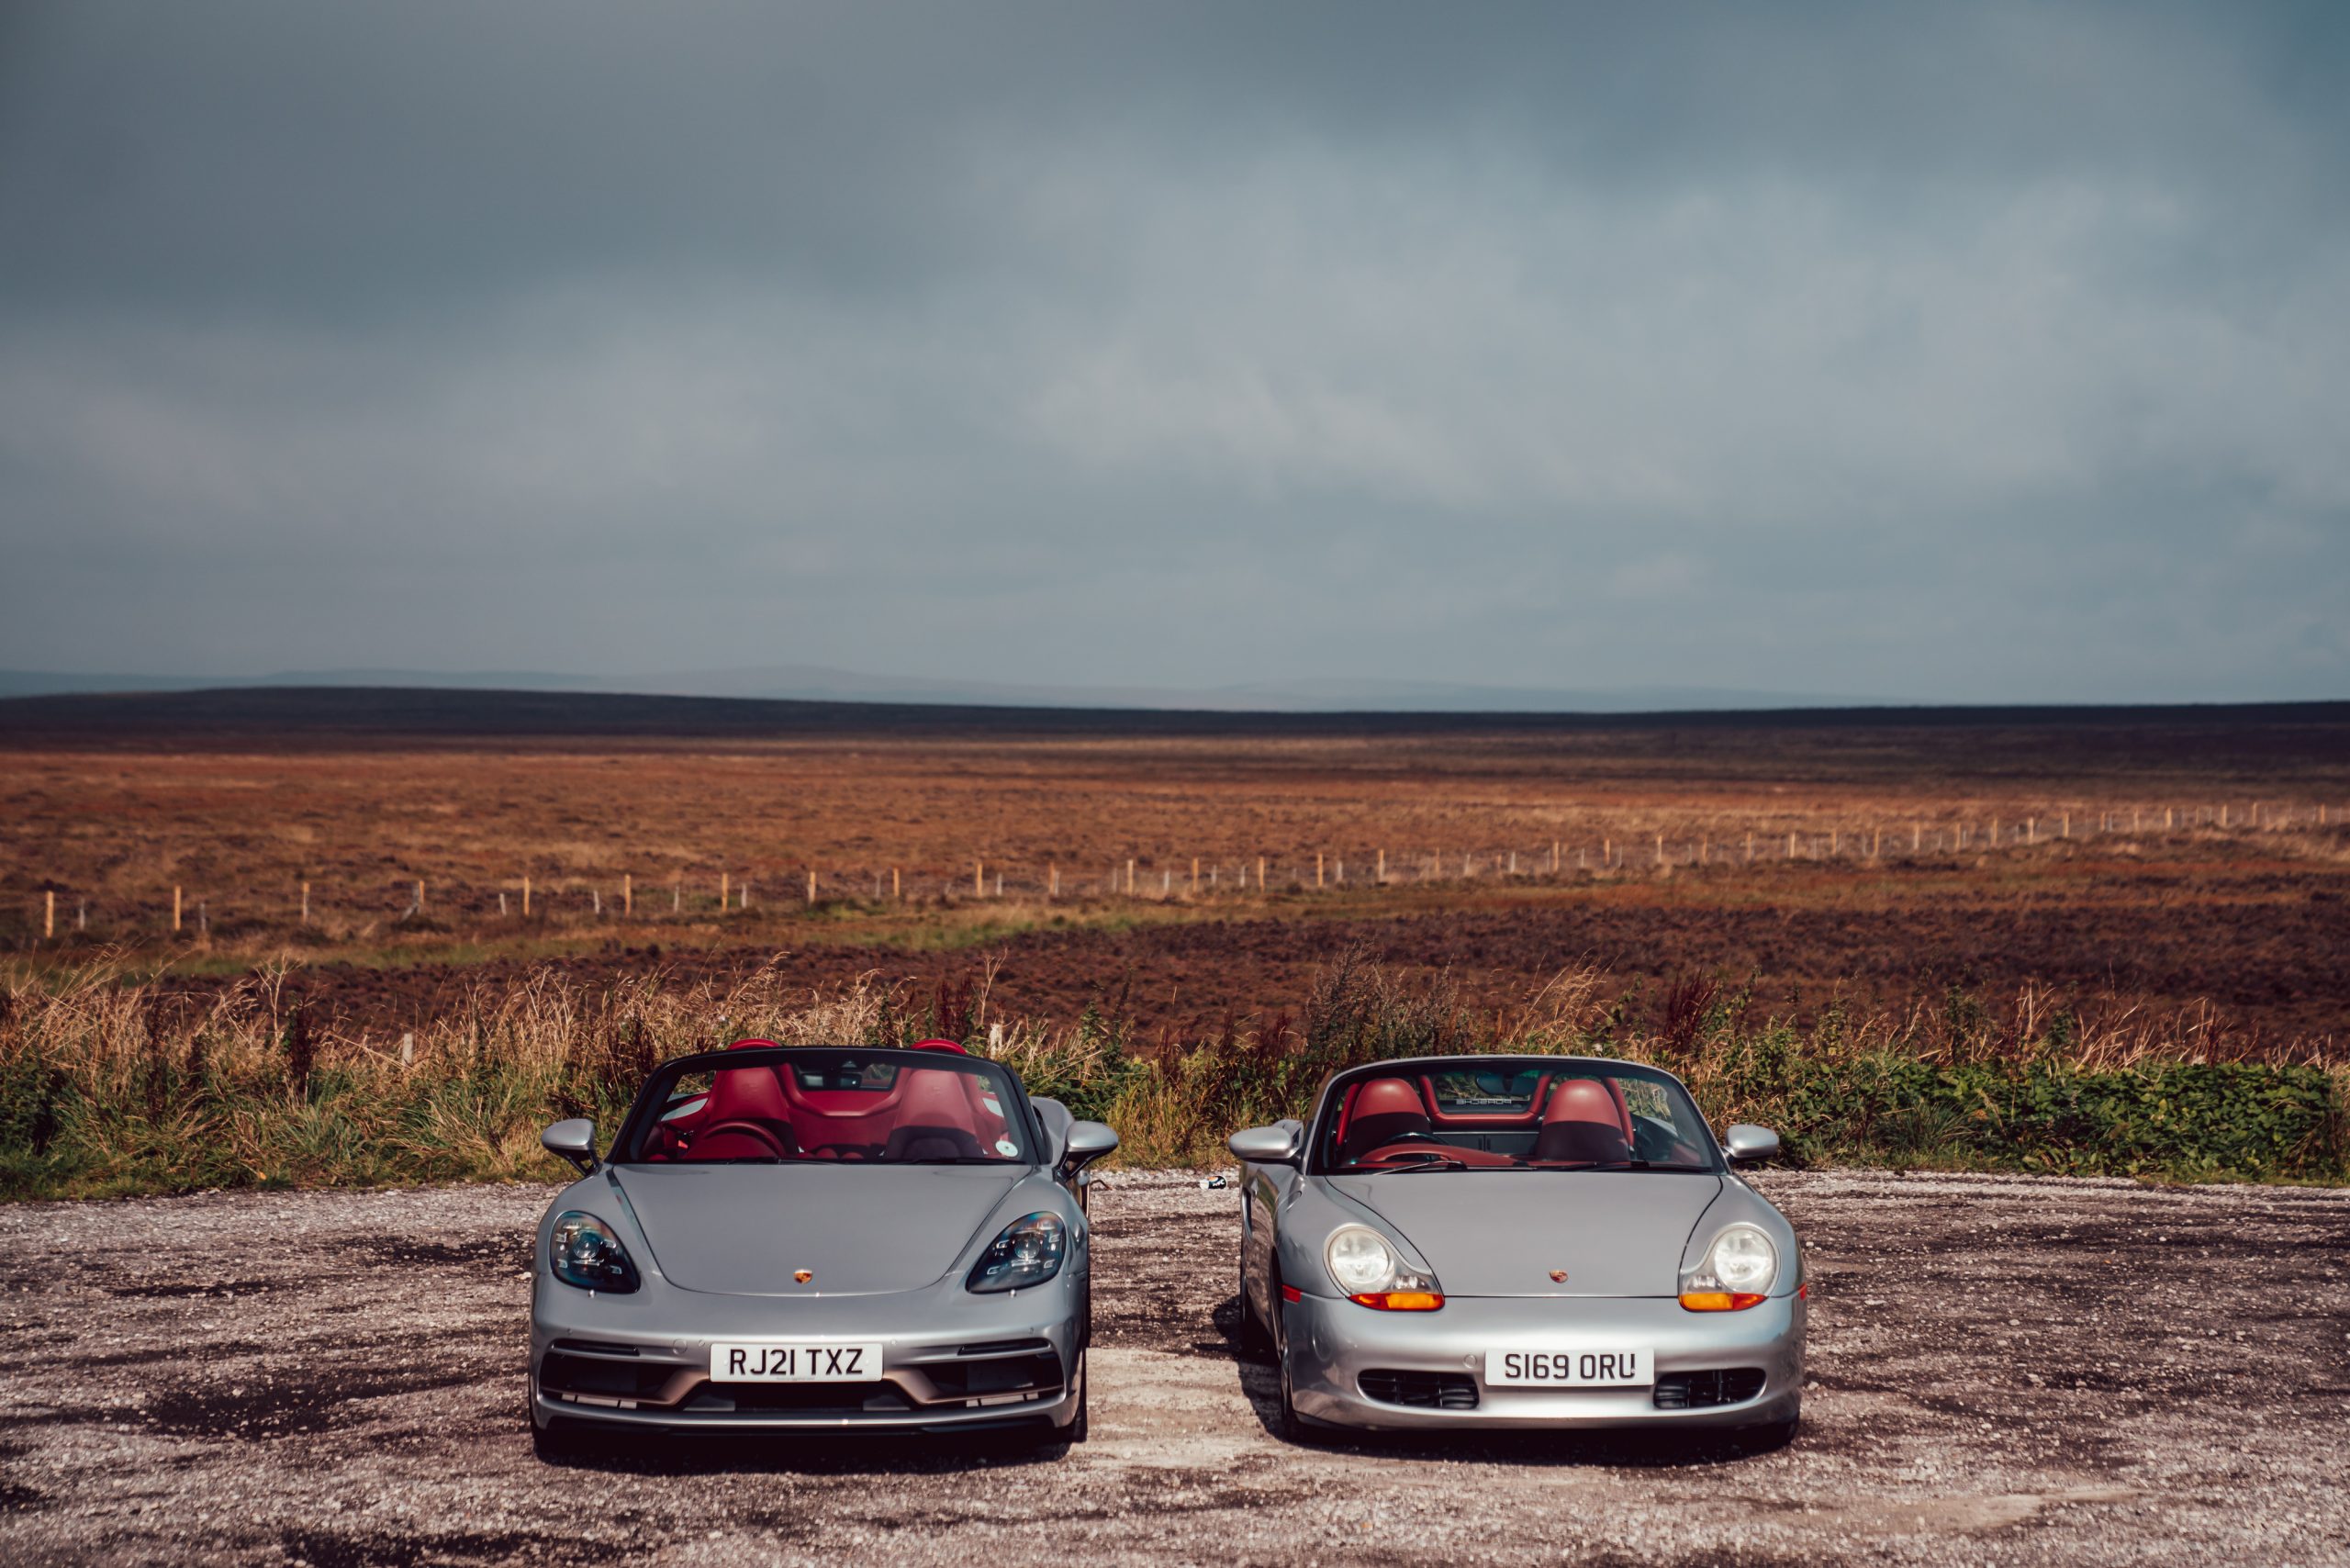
[[1492, 1240]]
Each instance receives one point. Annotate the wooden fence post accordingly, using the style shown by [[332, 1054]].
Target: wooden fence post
[[676, 896], [176, 909], [628, 895], [48, 915], [305, 904], [1195, 873], [596, 901], [1261, 873], [501, 903], [1317, 868], [1383, 853], [1052, 881], [1554, 854], [978, 879], [526, 898], [811, 886], [1791, 846], [1130, 873], [896, 888], [724, 892], [1660, 849]]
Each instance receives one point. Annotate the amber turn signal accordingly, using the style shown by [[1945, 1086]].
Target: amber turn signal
[[1719, 1301], [1399, 1301]]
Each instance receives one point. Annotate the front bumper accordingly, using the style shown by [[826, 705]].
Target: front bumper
[[951, 1360], [1334, 1342]]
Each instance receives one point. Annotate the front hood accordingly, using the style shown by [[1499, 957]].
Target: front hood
[[1613, 1233], [858, 1229]]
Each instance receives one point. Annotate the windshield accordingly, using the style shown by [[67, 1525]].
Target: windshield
[[1510, 1112], [778, 1105]]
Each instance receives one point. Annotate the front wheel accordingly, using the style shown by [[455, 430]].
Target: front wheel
[[1294, 1428], [1256, 1342]]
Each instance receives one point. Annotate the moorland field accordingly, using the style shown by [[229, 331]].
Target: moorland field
[[2110, 889]]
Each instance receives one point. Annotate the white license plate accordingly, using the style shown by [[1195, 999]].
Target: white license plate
[[1570, 1366], [793, 1361]]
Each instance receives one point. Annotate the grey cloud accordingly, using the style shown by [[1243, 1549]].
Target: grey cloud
[[1964, 352]]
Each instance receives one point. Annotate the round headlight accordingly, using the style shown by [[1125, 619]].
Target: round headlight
[[1360, 1260], [1743, 1259]]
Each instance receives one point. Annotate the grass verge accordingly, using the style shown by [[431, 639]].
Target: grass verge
[[109, 1087]]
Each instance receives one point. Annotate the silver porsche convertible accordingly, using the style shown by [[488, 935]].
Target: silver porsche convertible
[[1517, 1241], [818, 1238]]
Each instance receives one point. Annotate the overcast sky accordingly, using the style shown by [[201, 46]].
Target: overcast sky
[[1960, 352]]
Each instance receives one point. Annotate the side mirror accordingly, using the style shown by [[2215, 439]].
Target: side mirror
[[573, 1140], [1087, 1141], [1747, 1143], [1264, 1146]]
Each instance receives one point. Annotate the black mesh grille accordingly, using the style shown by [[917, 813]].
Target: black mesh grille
[[800, 1398], [996, 1374], [562, 1373], [1423, 1390], [1703, 1390]]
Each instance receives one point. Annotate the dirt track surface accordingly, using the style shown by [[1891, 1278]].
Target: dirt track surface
[[2001, 1371]]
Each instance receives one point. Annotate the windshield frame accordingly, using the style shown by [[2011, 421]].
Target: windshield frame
[[1334, 1093], [648, 1107]]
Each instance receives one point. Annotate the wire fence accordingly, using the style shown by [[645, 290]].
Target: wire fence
[[61, 912]]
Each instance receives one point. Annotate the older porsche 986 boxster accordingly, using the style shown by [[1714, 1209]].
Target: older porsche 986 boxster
[[818, 1238], [1517, 1241]]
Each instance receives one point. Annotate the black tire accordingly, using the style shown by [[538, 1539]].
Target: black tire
[[1077, 1431], [1294, 1428], [1256, 1341], [555, 1443], [1768, 1436]]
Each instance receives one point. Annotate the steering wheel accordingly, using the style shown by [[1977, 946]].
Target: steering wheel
[[769, 1142]]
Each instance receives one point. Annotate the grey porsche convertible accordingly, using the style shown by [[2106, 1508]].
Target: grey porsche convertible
[[818, 1238], [1517, 1241]]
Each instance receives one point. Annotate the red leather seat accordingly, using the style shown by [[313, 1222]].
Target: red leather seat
[[745, 1117], [1583, 1122], [1385, 1109], [933, 1119]]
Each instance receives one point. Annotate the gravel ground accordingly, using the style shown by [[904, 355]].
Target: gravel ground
[[2001, 1371]]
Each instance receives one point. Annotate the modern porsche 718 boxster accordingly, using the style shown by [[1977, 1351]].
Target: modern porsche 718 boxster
[[1517, 1241], [818, 1238]]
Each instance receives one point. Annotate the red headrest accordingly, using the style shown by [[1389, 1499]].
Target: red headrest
[[746, 1093], [1384, 1109], [752, 1044], [1583, 1100], [939, 1045]]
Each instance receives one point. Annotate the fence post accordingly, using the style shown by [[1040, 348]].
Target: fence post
[[501, 903], [896, 888], [305, 904], [628, 895], [1261, 873], [1195, 873], [1606, 853], [176, 908], [723, 892], [48, 915], [676, 896], [1554, 854], [978, 879], [811, 886], [1660, 849], [596, 901], [1130, 873], [1052, 881], [1383, 853], [1317, 868]]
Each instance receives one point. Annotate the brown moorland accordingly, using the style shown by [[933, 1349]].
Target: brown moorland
[[2185, 868]]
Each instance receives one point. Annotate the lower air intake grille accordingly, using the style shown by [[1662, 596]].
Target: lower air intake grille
[[1703, 1390], [1422, 1390]]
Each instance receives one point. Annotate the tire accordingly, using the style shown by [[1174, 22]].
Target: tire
[[1256, 1341], [1075, 1431], [1769, 1436], [1294, 1428], [555, 1443]]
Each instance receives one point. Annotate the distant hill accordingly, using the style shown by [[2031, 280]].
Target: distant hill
[[817, 683], [331, 714]]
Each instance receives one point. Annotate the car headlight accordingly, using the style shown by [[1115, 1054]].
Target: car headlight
[[1026, 1252], [583, 1251], [1737, 1272], [1369, 1272]]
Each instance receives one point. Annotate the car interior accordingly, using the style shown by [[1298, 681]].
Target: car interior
[[1563, 1121], [885, 1112]]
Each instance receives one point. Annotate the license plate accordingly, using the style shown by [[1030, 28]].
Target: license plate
[[1570, 1366], [793, 1361]]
